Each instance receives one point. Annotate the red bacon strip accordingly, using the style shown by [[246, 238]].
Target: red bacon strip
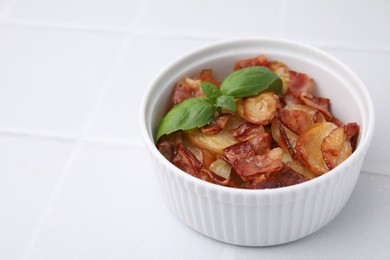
[[216, 125], [255, 134], [206, 76], [352, 132], [317, 103], [287, 176], [187, 161], [260, 60], [300, 83]]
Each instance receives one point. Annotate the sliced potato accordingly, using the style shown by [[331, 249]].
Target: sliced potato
[[308, 147], [221, 168], [214, 143], [296, 166], [336, 148], [260, 109], [282, 71]]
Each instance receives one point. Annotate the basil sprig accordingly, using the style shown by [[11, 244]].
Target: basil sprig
[[198, 112]]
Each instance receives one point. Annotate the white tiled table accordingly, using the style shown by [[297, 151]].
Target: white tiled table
[[75, 180]]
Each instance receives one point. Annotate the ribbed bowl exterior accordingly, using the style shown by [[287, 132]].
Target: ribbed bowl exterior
[[257, 219], [261, 217]]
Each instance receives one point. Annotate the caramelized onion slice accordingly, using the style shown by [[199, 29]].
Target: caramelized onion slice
[[308, 147], [221, 168], [336, 148]]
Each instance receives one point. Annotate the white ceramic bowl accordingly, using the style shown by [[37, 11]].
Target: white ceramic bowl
[[261, 217]]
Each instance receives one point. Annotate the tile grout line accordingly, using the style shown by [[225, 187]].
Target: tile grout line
[[76, 151], [67, 26], [137, 29]]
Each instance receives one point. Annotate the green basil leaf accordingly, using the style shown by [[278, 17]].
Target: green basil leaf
[[227, 102], [210, 91], [251, 81], [191, 113]]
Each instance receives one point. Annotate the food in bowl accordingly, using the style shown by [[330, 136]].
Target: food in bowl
[[259, 217], [261, 127]]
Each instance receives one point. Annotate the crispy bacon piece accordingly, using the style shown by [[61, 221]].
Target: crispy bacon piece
[[255, 134], [186, 89], [216, 125], [239, 151], [260, 60], [297, 121], [187, 161], [317, 103], [287, 176], [284, 137], [168, 143], [207, 76], [181, 93], [300, 83], [246, 131], [262, 183], [247, 164], [352, 132], [167, 149]]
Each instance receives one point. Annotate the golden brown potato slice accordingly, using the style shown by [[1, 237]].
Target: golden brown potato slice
[[308, 147], [214, 143], [336, 148], [282, 71], [296, 166], [260, 109]]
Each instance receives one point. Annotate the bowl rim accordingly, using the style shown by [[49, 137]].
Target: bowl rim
[[325, 178]]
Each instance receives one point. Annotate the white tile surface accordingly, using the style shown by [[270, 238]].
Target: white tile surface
[[109, 208], [352, 24], [71, 76], [372, 68], [50, 78], [29, 171], [213, 18], [143, 59], [80, 13]]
